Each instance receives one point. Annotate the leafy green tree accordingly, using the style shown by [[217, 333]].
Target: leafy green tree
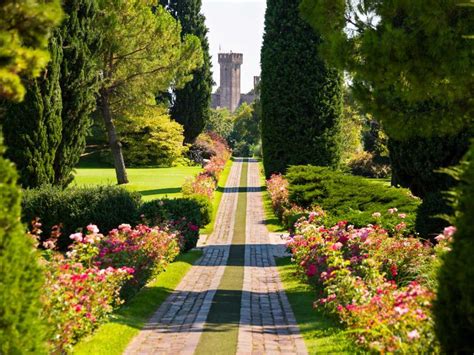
[[25, 26], [151, 138], [301, 96], [81, 42], [24, 30], [33, 128], [143, 54], [220, 121], [409, 54], [191, 104], [246, 132]]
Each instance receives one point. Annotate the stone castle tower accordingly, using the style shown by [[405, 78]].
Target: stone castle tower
[[230, 80], [228, 95]]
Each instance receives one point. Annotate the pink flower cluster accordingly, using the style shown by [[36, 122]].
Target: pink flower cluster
[[83, 286], [374, 282], [205, 183]]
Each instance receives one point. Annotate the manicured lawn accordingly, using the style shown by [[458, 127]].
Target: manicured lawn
[[271, 220], [321, 334], [217, 197], [114, 336], [152, 183]]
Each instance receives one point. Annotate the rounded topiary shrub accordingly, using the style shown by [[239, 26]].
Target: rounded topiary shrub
[[21, 278], [454, 308]]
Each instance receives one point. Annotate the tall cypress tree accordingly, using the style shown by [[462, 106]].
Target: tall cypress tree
[[32, 128], [191, 104], [301, 96], [79, 83]]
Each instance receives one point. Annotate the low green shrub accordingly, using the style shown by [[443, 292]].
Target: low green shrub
[[350, 198], [197, 210], [183, 214], [75, 208]]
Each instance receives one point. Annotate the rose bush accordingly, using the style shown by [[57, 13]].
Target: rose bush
[[373, 280], [84, 285]]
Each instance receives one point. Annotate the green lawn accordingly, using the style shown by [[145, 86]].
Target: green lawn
[[152, 183], [321, 334], [114, 336]]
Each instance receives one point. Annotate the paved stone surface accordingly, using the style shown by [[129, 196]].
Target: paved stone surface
[[176, 326], [267, 323]]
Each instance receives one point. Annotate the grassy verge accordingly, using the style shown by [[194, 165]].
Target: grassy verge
[[221, 330], [152, 183], [218, 197], [271, 220], [114, 336], [321, 334]]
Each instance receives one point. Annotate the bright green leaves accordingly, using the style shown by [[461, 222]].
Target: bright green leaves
[[24, 31]]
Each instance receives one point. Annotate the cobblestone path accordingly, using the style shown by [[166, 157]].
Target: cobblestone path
[[267, 324]]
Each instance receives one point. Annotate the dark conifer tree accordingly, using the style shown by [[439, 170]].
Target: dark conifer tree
[[301, 97], [33, 128], [79, 83], [191, 104]]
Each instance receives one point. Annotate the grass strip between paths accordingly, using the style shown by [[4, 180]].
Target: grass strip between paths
[[218, 197], [221, 330], [114, 336], [322, 335]]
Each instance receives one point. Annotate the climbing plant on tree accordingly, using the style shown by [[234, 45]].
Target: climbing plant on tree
[[24, 30], [301, 97], [81, 42], [144, 54], [191, 104]]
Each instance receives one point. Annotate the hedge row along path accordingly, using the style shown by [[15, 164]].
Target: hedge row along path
[[232, 300]]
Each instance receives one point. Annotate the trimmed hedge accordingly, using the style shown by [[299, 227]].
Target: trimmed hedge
[[348, 197], [185, 214], [196, 209], [75, 208]]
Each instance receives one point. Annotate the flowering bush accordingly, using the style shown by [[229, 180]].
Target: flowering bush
[[372, 280], [277, 187], [201, 185], [205, 183], [84, 285]]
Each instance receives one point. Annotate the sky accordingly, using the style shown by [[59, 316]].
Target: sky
[[237, 26]]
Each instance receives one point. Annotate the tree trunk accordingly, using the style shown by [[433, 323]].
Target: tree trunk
[[115, 145]]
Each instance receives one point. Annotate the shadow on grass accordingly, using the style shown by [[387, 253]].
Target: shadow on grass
[[164, 191]]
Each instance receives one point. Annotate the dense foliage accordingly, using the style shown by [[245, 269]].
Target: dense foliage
[[25, 27], [245, 135], [81, 43], [454, 308], [21, 276], [408, 60], [73, 208], [301, 96], [32, 128], [350, 198], [221, 122], [191, 104], [151, 138]]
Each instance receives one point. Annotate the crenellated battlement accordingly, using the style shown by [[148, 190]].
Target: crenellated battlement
[[235, 58]]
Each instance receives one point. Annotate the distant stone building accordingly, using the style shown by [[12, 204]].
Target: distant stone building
[[228, 94]]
